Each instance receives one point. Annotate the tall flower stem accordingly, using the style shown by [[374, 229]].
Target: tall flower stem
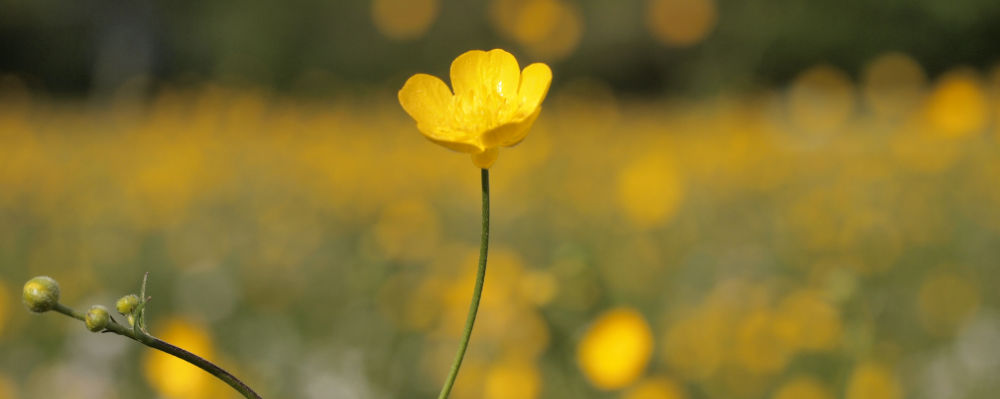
[[477, 292]]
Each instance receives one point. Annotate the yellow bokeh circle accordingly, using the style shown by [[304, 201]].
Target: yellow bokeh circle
[[536, 20], [873, 381], [513, 379], [894, 84], [821, 99], [760, 348], [681, 23], [656, 388], [547, 29], [175, 378], [615, 349], [650, 191], [808, 322], [404, 19], [539, 287], [958, 105]]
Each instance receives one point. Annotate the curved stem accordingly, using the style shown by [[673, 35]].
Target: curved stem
[[477, 292], [203, 364], [180, 353], [145, 338]]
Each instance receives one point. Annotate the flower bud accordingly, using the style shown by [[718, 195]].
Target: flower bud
[[97, 318], [41, 294], [127, 304]]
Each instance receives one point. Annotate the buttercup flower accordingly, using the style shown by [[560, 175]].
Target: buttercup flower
[[493, 105]]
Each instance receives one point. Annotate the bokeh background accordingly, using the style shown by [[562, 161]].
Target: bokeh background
[[721, 199]]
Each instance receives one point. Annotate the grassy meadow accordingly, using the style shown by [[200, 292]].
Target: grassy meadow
[[838, 237]]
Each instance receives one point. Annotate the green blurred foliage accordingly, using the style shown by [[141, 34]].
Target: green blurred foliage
[[831, 238], [819, 221], [294, 45]]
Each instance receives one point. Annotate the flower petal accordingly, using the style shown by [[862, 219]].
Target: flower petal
[[426, 98], [535, 80], [452, 144], [481, 74], [512, 133]]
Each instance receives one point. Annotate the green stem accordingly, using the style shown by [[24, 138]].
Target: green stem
[[203, 364], [180, 353], [146, 339], [66, 310], [186, 356], [477, 292]]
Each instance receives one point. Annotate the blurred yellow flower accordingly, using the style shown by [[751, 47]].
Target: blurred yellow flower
[[803, 387], [548, 29], [873, 381], [820, 101], [656, 388], [807, 321], [894, 84], [650, 191], [404, 19], [681, 23], [175, 378], [539, 287], [760, 348], [958, 107], [512, 379], [616, 349], [494, 103]]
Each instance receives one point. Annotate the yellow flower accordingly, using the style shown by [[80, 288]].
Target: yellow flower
[[615, 349], [873, 381], [494, 103]]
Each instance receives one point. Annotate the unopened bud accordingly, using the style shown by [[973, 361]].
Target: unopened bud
[[127, 304], [41, 294], [97, 318]]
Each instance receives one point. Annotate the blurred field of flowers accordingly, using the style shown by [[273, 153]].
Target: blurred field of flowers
[[833, 239]]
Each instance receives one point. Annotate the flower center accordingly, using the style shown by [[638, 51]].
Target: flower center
[[477, 111]]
